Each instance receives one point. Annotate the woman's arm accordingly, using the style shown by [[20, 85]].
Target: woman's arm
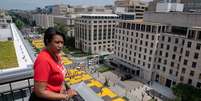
[[63, 88], [40, 91]]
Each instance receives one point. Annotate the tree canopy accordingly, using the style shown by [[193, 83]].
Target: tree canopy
[[186, 92]]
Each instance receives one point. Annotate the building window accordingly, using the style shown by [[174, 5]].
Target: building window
[[176, 40], [166, 54], [158, 67], [142, 35], [164, 69], [152, 37], [152, 45], [148, 66], [165, 62], [169, 39], [189, 81], [134, 60], [161, 45], [198, 85], [198, 46], [200, 76], [181, 78], [138, 62], [189, 44], [183, 70], [172, 64], [196, 56], [192, 73], [170, 71], [173, 56], [168, 47], [194, 64], [187, 53], [147, 36], [146, 43], [139, 55], [134, 54], [185, 62], [149, 59], [191, 34], [150, 52], [163, 38], [175, 49], [199, 35], [159, 60], [161, 53]]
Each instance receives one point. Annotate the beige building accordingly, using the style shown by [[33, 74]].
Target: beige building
[[43, 20], [68, 21], [62, 9], [92, 10], [136, 6], [168, 53], [189, 5], [94, 33]]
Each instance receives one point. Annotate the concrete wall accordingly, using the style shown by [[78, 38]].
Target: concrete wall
[[174, 18]]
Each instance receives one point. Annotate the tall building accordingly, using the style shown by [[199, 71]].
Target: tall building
[[43, 20], [93, 9], [166, 51], [189, 5], [192, 5], [131, 6], [94, 33], [5, 21], [61, 9], [68, 21]]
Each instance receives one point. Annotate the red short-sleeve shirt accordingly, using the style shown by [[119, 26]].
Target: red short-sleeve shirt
[[46, 69]]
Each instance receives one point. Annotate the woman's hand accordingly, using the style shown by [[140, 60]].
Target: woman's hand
[[71, 92]]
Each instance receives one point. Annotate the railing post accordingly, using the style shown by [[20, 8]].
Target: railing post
[[11, 91], [21, 93], [29, 85]]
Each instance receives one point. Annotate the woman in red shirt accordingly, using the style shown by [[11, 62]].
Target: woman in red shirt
[[49, 71]]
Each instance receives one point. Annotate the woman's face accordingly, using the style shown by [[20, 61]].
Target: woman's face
[[56, 44]]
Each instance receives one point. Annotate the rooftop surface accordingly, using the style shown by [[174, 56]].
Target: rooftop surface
[[8, 57]]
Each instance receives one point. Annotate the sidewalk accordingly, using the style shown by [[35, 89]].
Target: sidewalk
[[133, 89]]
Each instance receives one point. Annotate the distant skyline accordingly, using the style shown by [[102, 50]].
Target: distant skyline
[[32, 4]]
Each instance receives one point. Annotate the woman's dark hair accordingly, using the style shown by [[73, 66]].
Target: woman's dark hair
[[49, 33]]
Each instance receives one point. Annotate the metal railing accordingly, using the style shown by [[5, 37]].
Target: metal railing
[[19, 92]]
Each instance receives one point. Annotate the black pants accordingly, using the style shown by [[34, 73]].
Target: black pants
[[34, 97]]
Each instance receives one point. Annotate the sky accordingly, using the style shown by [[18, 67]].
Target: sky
[[32, 4]]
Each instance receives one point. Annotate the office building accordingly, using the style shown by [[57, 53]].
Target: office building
[[94, 33], [43, 20], [166, 51]]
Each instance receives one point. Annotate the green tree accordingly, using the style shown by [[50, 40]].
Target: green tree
[[186, 92], [19, 23]]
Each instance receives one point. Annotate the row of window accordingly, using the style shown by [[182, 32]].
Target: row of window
[[198, 85], [143, 27], [97, 21]]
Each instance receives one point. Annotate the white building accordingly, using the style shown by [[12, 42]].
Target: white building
[[95, 32], [131, 6], [168, 53], [62, 9], [92, 10], [43, 20], [68, 21], [5, 21], [169, 7]]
